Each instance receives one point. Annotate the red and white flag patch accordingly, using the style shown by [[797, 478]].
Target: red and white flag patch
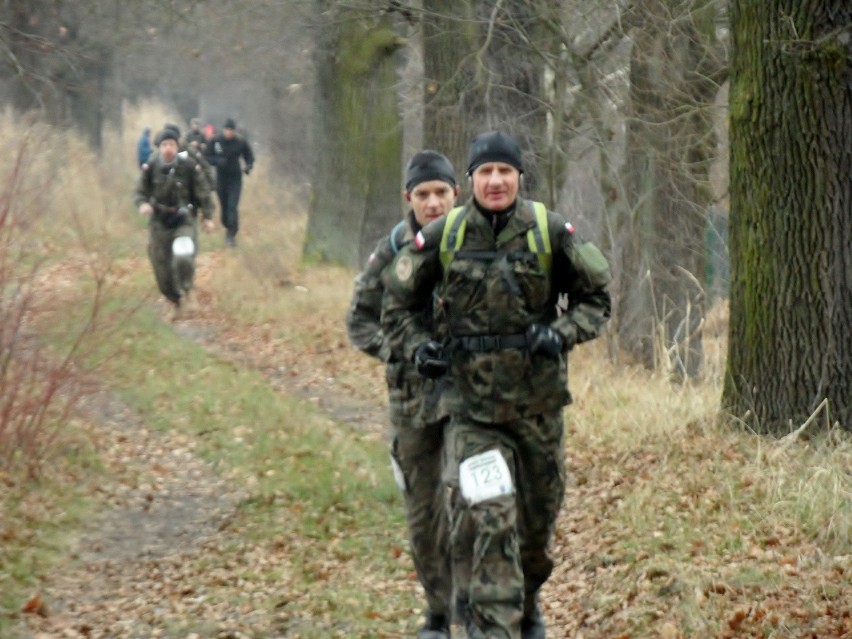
[[569, 227], [419, 240]]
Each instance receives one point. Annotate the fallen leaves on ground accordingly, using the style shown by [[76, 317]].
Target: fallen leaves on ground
[[607, 583]]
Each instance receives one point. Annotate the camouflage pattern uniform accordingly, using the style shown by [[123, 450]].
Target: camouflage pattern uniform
[[176, 190], [417, 420], [195, 144], [194, 136], [502, 397]]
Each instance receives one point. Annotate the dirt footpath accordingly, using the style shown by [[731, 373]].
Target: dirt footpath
[[128, 569]]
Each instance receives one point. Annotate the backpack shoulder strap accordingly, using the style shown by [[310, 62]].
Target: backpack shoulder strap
[[394, 235], [538, 237], [453, 235]]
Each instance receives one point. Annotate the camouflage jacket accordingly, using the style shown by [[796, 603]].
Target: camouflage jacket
[[194, 136], [493, 289], [180, 183], [406, 387]]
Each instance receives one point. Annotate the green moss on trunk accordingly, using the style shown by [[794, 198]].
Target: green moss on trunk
[[790, 341]]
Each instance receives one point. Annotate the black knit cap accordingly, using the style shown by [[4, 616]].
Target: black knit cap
[[229, 124], [493, 146], [166, 134], [428, 165]]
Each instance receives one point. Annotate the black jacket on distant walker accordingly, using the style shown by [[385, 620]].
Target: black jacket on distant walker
[[225, 157]]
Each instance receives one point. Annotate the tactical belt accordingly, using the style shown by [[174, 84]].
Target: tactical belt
[[171, 210], [489, 343]]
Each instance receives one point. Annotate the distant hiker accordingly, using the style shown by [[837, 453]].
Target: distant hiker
[[171, 188], [194, 152], [416, 415], [195, 144], [194, 138], [143, 147], [228, 148]]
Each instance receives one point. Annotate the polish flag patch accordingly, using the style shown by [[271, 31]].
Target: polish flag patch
[[419, 240], [372, 258], [569, 227]]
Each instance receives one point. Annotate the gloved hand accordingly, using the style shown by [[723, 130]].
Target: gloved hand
[[247, 170], [543, 340], [429, 360]]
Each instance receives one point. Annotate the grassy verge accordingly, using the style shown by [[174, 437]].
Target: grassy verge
[[322, 519], [318, 491], [678, 526], [38, 518]]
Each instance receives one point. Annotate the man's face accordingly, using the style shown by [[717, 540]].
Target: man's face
[[228, 133], [430, 200], [168, 150], [495, 185]]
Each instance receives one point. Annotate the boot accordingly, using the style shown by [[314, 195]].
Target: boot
[[464, 615], [532, 625], [189, 303], [435, 627], [177, 311]]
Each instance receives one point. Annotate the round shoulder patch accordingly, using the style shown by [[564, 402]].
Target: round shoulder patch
[[404, 267]]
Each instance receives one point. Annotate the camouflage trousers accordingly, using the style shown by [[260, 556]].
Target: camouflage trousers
[[499, 543], [416, 451], [174, 274]]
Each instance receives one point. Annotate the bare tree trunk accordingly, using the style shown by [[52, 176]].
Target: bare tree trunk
[[668, 158], [88, 100], [485, 68], [510, 72], [358, 138], [790, 342], [452, 112], [54, 67]]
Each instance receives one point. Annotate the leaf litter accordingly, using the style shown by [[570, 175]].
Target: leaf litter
[[135, 571]]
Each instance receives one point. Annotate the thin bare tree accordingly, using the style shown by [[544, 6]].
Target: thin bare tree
[[674, 78]]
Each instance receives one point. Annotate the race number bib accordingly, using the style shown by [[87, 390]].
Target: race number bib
[[183, 246], [485, 476]]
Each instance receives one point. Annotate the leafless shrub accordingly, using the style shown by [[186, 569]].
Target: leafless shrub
[[38, 385]]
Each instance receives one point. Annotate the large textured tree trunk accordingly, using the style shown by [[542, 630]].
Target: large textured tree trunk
[[790, 344], [452, 112], [358, 138], [484, 65], [668, 159], [510, 72]]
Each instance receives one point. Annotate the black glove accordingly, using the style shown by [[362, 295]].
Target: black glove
[[429, 360], [543, 340], [247, 170]]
